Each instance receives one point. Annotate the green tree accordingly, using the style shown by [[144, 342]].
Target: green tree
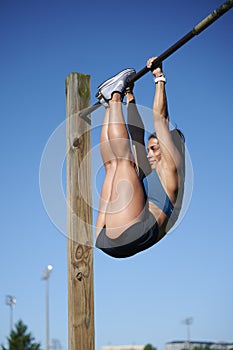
[[19, 339], [149, 347], [201, 348]]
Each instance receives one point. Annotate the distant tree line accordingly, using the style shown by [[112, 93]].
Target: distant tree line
[[207, 348]]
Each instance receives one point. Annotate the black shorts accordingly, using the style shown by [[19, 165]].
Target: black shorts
[[136, 238]]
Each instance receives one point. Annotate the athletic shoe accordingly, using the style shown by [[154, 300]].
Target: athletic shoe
[[129, 89], [117, 83], [104, 102]]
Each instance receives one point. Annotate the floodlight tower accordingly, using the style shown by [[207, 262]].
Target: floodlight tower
[[11, 301], [46, 275], [188, 321]]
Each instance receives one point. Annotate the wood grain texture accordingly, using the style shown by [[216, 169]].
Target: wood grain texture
[[79, 216]]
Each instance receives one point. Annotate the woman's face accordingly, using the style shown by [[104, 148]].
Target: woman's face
[[154, 154]]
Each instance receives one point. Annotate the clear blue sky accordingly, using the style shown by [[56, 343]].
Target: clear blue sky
[[189, 273]]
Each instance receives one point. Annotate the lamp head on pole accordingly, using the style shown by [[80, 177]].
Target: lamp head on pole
[[10, 300], [49, 267], [188, 321], [46, 272]]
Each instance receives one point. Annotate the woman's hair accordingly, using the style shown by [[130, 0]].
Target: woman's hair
[[173, 132], [179, 141]]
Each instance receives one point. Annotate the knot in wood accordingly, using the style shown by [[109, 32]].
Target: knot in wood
[[79, 276], [76, 142], [79, 252]]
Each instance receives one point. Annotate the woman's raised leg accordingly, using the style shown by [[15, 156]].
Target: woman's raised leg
[[127, 197], [110, 164]]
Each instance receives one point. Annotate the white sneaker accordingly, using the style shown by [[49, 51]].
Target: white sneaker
[[117, 83]]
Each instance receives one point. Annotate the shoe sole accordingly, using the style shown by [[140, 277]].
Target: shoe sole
[[115, 78]]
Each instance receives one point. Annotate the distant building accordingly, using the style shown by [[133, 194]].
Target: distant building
[[123, 347], [181, 345]]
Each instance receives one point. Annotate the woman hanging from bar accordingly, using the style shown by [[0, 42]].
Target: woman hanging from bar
[[142, 191]]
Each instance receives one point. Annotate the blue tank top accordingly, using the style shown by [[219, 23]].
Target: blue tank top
[[156, 193]]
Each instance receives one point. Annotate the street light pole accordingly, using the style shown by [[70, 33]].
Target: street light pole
[[46, 275], [11, 301]]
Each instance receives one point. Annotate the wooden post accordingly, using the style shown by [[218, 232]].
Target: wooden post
[[79, 216]]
